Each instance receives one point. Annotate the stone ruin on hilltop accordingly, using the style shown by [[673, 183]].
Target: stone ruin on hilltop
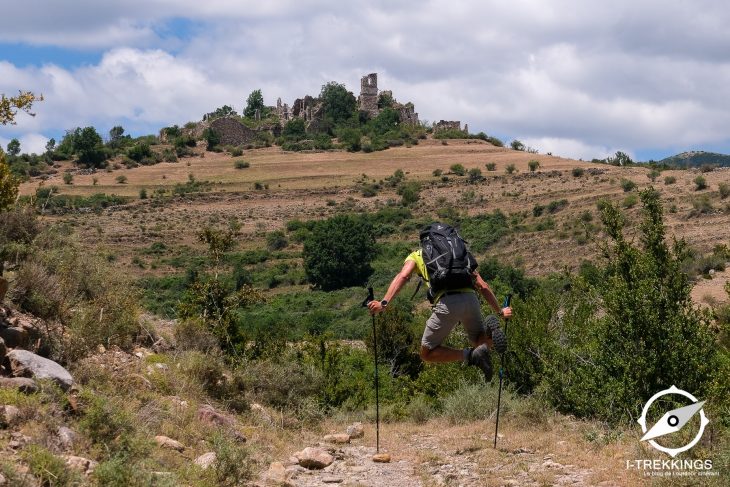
[[234, 132]]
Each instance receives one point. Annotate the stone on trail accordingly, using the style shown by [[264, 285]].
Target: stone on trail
[[166, 442], [27, 364], [381, 458], [81, 464], [277, 475], [67, 437], [339, 438], [9, 415], [356, 430], [206, 460], [314, 458]]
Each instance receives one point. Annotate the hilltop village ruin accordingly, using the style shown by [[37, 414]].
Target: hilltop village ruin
[[234, 132]]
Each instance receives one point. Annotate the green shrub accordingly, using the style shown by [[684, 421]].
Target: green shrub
[[491, 166], [653, 174], [481, 231], [627, 185], [276, 240], [606, 366], [577, 172], [669, 180], [556, 205], [339, 251], [630, 201], [241, 164], [139, 151], [724, 190], [474, 176], [236, 152], [143, 194], [510, 169], [68, 178], [533, 165], [49, 469], [457, 169], [517, 145], [121, 179], [700, 183], [233, 463], [437, 173], [701, 205], [537, 210], [212, 138]]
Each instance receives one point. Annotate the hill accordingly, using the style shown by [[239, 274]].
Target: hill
[[697, 159]]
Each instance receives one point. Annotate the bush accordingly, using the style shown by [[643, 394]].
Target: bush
[[517, 145], [630, 201], [537, 210], [700, 183], [212, 138], [533, 165], [241, 164], [338, 252], [670, 180], [236, 152], [627, 185], [437, 173], [68, 178], [653, 174], [491, 166], [121, 179], [557, 205], [139, 152], [607, 365], [510, 169], [276, 240], [475, 175], [457, 169], [49, 469], [724, 190], [143, 194], [577, 172]]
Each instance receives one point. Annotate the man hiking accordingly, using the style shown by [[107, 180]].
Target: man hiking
[[449, 269]]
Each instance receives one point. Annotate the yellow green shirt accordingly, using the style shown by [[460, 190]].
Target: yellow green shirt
[[417, 257]]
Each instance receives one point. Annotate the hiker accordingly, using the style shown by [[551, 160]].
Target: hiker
[[449, 270]]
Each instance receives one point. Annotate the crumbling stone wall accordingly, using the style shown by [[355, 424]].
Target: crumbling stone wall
[[446, 125], [368, 101], [232, 131], [407, 113]]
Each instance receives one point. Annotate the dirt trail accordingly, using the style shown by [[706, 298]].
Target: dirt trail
[[434, 455]]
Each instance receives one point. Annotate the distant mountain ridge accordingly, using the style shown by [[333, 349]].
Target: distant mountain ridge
[[697, 159]]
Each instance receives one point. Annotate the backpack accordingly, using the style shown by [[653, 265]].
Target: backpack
[[448, 261]]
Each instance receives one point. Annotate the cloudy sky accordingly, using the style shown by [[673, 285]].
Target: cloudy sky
[[573, 77]]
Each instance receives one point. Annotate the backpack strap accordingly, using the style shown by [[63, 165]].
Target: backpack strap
[[420, 281]]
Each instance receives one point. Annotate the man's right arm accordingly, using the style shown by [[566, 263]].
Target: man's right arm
[[396, 285]]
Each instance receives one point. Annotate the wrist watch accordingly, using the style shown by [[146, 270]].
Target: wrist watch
[[384, 303]]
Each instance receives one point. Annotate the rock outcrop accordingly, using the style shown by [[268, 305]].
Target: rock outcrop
[[27, 364]]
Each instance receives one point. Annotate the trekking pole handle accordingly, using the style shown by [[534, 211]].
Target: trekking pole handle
[[371, 297], [507, 301]]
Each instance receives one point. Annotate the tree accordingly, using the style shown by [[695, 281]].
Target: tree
[[116, 133], [9, 106], [255, 101], [338, 252], [50, 145], [339, 104], [89, 147], [517, 145], [212, 137], [8, 185], [385, 100], [14, 147], [224, 111], [295, 129]]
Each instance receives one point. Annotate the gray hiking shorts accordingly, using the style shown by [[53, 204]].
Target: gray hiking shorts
[[447, 312]]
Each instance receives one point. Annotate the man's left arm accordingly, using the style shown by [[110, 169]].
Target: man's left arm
[[483, 288]]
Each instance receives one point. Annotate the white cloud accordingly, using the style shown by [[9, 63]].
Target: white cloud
[[29, 143], [582, 77], [571, 148]]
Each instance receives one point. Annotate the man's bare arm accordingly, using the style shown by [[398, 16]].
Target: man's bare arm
[[395, 286], [483, 288]]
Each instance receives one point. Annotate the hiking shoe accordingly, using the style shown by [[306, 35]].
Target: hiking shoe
[[480, 357], [497, 334]]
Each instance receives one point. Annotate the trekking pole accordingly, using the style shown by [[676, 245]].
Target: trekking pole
[[501, 371], [371, 297]]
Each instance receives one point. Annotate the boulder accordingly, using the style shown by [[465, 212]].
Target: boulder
[[15, 337], [356, 430], [27, 364], [80, 464], [166, 442], [277, 475], [23, 384], [207, 414], [206, 460], [66, 437], [339, 438], [381, 458], [9, 415], [314, 458], [3, 349]]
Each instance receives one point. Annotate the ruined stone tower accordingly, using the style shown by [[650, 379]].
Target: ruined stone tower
[[369, 94]]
